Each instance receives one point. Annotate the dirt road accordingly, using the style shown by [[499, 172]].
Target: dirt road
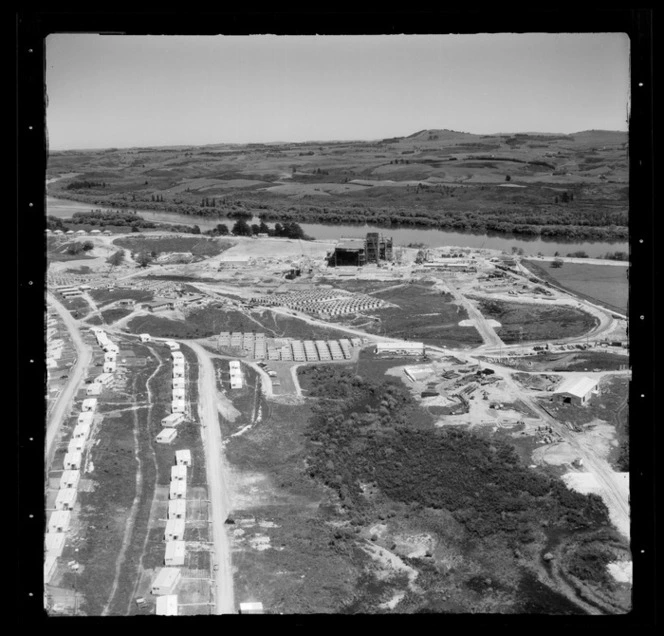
[[83, 359], [612, 493], [217, 489], [482, 325]]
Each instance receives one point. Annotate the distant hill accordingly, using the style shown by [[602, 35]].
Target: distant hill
[[439, 134], [601, 136]]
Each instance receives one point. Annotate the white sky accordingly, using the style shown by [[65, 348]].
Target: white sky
[[124, 91]]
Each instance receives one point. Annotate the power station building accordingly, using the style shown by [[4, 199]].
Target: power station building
[[356, 252]]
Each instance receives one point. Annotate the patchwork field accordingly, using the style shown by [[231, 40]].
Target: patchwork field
[[403, 180]]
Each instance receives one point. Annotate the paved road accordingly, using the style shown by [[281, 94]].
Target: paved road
[[218, 491], [83, 359]]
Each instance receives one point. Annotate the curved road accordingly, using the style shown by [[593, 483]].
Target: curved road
[[76, 374]]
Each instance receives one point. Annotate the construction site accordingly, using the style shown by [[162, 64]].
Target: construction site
[[265, 309]]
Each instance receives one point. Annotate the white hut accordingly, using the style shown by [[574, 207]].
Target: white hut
[[177, 490], [177, 406], [89, 405], [81, 431], [173, 346], [59, 521], [110, 366], [55, 543], [75, 445], [178, 383], [172, 420], [145, 337], [178, 394], [105, 379], [178, 372], [165, 581], [166, 435], [183, 457], [175, 552], [73, 461], [66, 499], [177, 509], [177, 355], [178, 473], [174, 530], [94, 389], [50, 562], [110, 356], [86, 418], [167, 605], [70, 479], [252, 607]]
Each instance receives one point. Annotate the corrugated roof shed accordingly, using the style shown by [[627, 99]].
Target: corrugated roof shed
[[580, 387]]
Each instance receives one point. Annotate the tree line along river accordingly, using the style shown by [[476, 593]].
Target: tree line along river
[[402, 236]]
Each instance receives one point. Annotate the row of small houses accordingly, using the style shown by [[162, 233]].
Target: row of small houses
[[167, 578], [79, 232], [170, 422], [65, 500]]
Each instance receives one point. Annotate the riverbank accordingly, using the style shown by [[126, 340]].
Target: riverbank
[[402, 236]]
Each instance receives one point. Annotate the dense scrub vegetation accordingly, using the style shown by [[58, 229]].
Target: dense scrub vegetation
[[369, 431]]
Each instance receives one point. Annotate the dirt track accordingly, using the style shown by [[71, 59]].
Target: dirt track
[[76, 375], [217, 482]]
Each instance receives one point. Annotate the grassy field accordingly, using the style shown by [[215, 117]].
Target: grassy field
[[521, 322], [116, 313], [106, 296], [105, 511], [209, 321], [606, 285], [422, 315]]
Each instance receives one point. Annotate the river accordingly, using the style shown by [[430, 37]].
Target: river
[[402, 236]]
